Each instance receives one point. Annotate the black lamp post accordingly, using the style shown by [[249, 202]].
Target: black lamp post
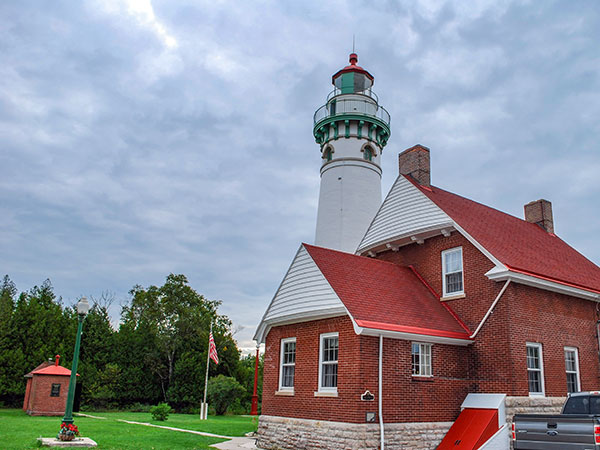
[[82, 309]]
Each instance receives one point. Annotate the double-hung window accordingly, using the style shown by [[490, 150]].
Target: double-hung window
[[452, 271], [421, 360], [328, 362], [287, 364], [535, 369], [572, 369]]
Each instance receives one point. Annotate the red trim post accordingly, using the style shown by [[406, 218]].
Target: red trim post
[[254, 410]]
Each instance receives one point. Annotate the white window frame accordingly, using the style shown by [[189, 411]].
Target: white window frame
[[321, 362], [541, 369], [281, 365], [462, 272], [422, 345], [577, 373]]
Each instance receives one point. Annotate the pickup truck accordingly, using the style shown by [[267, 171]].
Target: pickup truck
[[577, 427]]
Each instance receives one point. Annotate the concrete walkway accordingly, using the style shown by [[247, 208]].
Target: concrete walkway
[[237, 443], [233, 443]]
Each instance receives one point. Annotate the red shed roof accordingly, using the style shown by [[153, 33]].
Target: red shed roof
[[53, 370], [521, 246], [386, 296]]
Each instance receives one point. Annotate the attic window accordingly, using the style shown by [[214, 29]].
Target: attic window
[[452, 271]]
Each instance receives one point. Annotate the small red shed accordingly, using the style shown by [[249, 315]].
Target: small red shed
[[47, 388]]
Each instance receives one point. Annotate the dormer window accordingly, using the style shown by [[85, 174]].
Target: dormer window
[[368, 153], [452, 272]]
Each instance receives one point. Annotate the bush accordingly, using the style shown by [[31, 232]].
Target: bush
[[222, 392], [160, 412]]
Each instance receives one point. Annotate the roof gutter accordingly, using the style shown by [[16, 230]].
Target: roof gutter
[[489, 311], [509, 273], [412, 336]]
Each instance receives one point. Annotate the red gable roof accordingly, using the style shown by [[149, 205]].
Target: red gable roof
[[521, 246], [386, 296]]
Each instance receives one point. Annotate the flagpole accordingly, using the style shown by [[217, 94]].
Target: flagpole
[[204, 409]]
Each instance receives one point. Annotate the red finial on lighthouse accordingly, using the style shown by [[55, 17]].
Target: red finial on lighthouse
[[353, 58], [56, 358]]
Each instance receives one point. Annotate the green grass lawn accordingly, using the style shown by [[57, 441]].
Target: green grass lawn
[[20, 431]]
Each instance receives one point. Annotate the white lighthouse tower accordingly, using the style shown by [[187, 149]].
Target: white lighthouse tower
[[351, 129]]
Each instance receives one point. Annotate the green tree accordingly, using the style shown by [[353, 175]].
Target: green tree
[[97, 367], [8, 355], [224, 391], [38, 329], [176, 320], [245, 376]]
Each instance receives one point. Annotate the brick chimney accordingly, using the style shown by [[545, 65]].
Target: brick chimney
[[540, 213], [414, 161]]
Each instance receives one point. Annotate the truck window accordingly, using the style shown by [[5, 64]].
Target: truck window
[[577, 405], [595, 405]]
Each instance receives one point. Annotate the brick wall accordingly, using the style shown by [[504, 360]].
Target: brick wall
[[347, 407], [555, 321], [495, 363], [406, 398], [40, 401]]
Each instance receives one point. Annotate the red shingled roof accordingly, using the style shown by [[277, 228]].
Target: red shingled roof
[[386, 296], [521, 246]]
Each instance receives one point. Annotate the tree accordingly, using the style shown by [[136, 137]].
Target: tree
[[245, 375], [8, 356], [176, 319], [97, 367], [38, 329], [222, 392]]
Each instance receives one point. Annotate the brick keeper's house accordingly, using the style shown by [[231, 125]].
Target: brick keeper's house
[[443, 297]]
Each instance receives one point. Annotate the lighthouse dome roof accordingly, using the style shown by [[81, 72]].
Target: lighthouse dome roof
[[361, 78]]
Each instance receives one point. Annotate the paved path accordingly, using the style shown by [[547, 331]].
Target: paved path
[[201, 433], [233, 443], [237, 443]]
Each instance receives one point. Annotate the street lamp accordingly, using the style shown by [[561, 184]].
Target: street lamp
[[82, 309]]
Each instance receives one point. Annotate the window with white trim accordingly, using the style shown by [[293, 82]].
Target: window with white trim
[[421, 360], [452, 271], [572, 369], [535, 369], [287, 367], [328, 362]]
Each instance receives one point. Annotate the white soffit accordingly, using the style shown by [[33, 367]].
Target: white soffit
[[304, 293], [404, 211]]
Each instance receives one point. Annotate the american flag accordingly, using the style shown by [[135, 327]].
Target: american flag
[[212, 349]]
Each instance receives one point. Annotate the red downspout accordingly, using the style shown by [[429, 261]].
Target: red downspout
[[254, 410]]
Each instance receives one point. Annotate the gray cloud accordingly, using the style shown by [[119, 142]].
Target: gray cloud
[[139, 138]]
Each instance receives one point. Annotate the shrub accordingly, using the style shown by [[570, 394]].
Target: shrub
[[222, 392], [160, 412]]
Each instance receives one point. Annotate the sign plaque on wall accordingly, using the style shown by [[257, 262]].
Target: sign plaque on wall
[[367, 397]]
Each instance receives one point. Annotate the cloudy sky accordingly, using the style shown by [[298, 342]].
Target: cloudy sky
[[144, 137]]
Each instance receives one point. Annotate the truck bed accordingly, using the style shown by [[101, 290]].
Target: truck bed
[[555, 432]]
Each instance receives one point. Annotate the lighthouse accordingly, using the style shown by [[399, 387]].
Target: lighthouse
[[351, 129]]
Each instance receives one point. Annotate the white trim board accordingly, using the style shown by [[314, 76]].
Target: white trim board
[[503, 273], [304, 294]]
